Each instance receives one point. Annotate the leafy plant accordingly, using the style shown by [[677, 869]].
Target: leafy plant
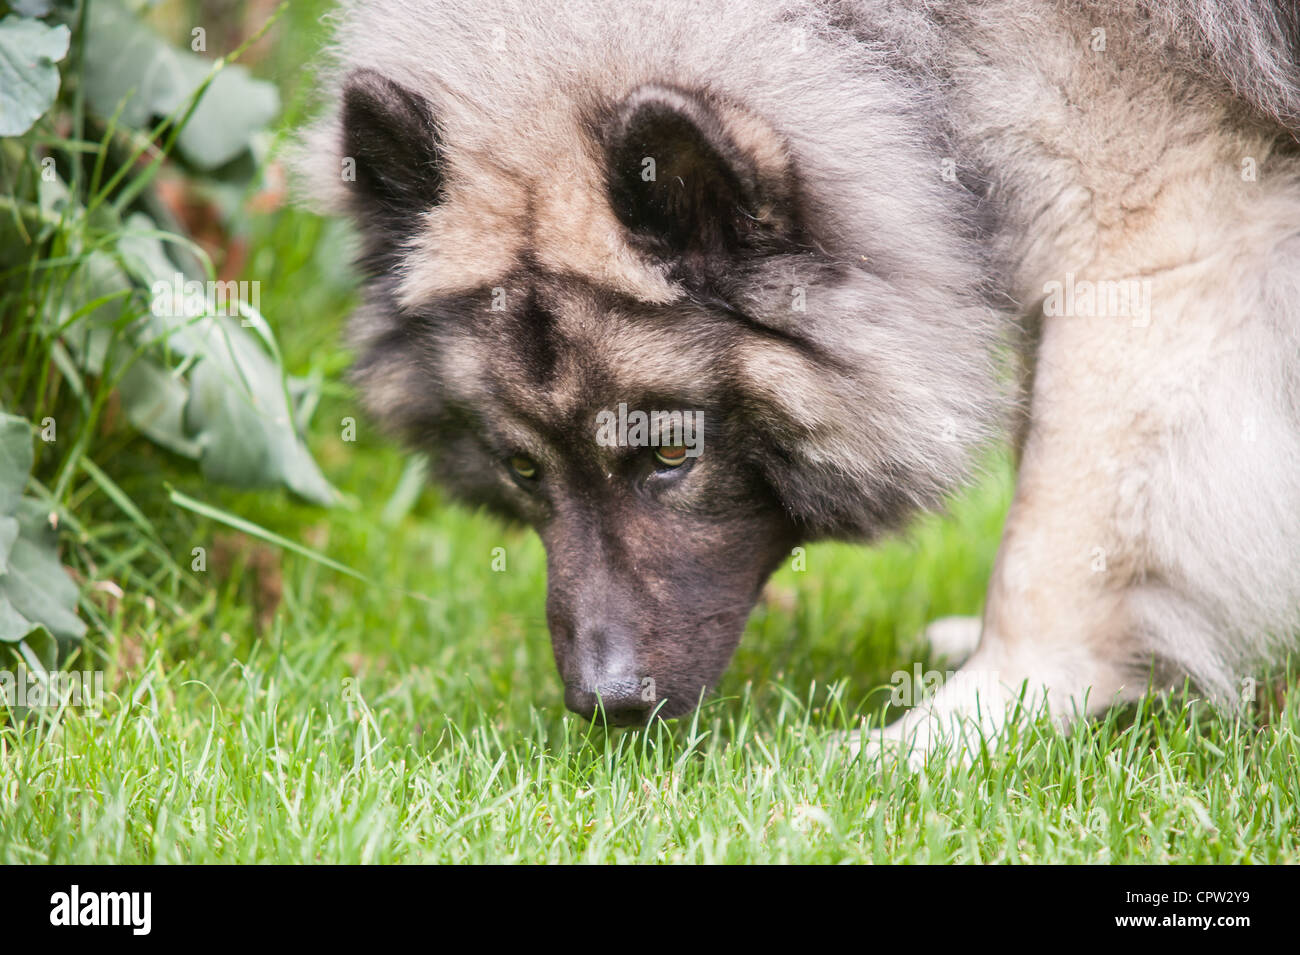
[[38, 600], [109, 307], [196, 366], [29, 78]]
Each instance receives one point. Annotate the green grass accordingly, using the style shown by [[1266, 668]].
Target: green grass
[[365, 724], [269, 709]]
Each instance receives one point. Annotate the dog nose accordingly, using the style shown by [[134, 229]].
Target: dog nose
[[601, 675], [620, 702]]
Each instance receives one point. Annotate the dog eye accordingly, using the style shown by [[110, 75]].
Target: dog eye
[[671, 455], [522, 468]]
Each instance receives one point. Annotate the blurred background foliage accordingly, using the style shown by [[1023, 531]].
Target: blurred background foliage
[[161, 305]]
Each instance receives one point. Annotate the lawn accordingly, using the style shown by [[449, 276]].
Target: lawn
[[270, 708]]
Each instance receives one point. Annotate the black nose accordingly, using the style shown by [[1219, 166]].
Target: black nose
[[619, 702], [601, 675]]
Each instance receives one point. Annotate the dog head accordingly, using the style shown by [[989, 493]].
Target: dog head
[[643, 319]]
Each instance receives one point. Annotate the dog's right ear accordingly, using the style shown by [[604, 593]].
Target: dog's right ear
[[392, 162]]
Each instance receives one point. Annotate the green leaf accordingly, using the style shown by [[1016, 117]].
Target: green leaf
[[237, 416], [37, 598], [32, 8], [39, 589], [154, 401], [239, 413], [13, 625], [8, 534], [29, 80], [15, 460], [34, 523], [127, 61], [201, 386]]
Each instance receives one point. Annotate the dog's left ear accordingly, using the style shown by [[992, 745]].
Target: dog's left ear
[[696, 180]]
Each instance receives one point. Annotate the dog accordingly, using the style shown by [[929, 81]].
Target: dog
[[858, 243]]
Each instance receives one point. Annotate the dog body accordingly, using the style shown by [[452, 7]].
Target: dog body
[[859, 240]]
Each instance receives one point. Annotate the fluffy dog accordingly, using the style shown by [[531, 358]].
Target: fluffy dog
[[857, 241]]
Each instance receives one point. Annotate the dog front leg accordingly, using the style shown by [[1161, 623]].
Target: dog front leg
[[1057, 634]]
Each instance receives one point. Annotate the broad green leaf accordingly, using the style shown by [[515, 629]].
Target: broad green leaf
[[32, 8], [8, 534], [232, 112], [34, 523], [29, 79], [15, 460], [154, 401], [40, 590], [13, 625], [205, 386], [127, 61], [239, 413], [237, 418]]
